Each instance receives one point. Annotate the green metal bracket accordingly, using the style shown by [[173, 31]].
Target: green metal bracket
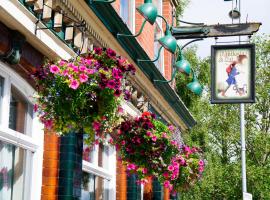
[[139, 33], [142, 60], [13, 56]]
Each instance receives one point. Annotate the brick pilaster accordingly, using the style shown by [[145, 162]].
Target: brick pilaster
[[50, 167]]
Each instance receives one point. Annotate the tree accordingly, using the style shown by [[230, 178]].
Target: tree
[[217, 132]]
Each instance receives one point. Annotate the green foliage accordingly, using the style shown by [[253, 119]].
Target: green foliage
[[218, 133]]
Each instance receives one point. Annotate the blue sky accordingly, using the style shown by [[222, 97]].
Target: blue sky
[[216, 11]]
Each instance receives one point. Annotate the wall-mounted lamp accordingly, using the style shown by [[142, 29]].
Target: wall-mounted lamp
[[168, 41], [13, 56], [183, 66], [149, 11]]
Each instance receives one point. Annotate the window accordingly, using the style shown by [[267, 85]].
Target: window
[[99, 177], [158, 33], [20, 150], [127, 13]]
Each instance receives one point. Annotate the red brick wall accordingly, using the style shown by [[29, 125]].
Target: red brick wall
[[50, 167], [121, 182], [167, 13], [146, 39]]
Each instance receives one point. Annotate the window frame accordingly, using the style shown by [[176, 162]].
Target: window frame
[[158, 23], [108, 174], [132, 13], [31, 141]]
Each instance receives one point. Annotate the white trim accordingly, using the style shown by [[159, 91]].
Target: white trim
[[130, 109], [99, 171], [32, 141]]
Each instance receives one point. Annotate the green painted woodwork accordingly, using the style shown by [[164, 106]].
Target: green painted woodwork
[[157, 190], [70, 166], [133, 189]]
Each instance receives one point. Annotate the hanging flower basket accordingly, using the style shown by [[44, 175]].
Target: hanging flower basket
[[82, 94], [146, 148]]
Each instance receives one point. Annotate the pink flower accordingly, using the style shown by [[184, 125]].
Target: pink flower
[[154, 138], [201, 163], [48, 123], [164, 135], [201, 169], [170, 168], [120, 110], [149, 134], [144, 170], [123, 142], [88, 61], [166, 184], [75, 68], [96, 126], [65, 72], [83, 78], [74, 84], [111, 141], [171, 128], [35, 108], [62, 62], [166, 174], [131, 166], [90, 71], [82, 68], [54, 69]]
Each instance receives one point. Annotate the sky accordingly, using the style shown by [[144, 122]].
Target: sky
[[216, 11]]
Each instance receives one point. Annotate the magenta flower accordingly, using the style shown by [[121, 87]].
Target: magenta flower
[[75, 68], [149, 134], [171, 128], [54, 69], [201, 163], [154, 138], [131, 166], [62, 62], [117, 93], [74, 84], [65, 72], [144, 171], [111, 84], [35, 108], [167, 184], [90, 71], [170, 168], [96, 126], [82, 68], [166, 174], [110, 52], [123, 142], [83, 78], [201, 169]]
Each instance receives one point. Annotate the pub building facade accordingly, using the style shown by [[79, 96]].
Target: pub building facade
[[38, 164]]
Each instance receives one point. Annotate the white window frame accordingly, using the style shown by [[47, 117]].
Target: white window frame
[[32, 140], [132, 9], [108, 174], [158, 23]]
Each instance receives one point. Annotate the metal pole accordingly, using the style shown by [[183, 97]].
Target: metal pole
[[242, 132], [243, 147]]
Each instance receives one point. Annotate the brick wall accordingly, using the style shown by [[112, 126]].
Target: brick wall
[[167, 13], [50, 167], [146, 39], [121, 182]]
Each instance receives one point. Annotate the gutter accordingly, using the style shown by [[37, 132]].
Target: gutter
[[113, 22]]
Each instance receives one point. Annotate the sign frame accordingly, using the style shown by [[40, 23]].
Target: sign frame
[[252, 68]]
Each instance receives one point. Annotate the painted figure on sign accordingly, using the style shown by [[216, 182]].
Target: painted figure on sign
[[235, 76]]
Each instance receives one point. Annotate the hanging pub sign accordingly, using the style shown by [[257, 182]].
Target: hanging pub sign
[[233, 73]]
